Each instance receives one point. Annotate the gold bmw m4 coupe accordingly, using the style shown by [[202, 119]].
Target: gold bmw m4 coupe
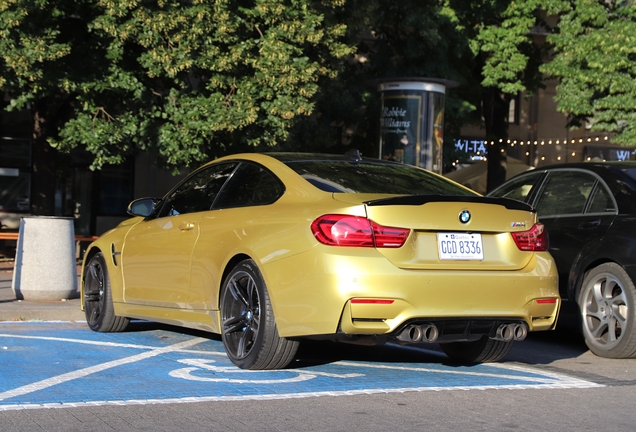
[[270, 249]]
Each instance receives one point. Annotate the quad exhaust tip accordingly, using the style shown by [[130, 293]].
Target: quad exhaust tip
[[425, 333], [509, 332], [428, 333]]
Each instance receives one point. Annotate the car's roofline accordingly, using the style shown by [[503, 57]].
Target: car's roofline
[[286, 157]]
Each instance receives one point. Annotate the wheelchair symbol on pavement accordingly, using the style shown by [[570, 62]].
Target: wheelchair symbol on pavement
[[220, 373]]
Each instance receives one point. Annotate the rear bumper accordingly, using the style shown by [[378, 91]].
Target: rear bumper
[[311, 294]]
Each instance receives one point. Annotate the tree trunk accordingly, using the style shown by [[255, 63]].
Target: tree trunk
[[496, 118], [44, 164]]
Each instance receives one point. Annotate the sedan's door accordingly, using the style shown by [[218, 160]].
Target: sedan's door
[[157, 252], [577, 209]]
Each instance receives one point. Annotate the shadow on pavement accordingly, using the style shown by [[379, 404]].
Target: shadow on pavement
[[540, 348]]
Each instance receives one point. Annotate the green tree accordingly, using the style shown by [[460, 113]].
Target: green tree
[[595, 63], [393, 38], [47, 54], [188, 80], [486, 46], [507, 59]]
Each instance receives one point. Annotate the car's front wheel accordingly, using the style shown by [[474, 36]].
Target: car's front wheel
[[98, 300], [249, 331], [484, 350], [608, 303]]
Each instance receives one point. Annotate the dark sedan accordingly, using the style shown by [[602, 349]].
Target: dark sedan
[[589, 210]]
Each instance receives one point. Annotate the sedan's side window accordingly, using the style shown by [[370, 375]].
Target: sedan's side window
[[565, 193], [602, 201], [197, 193], [250, 185]]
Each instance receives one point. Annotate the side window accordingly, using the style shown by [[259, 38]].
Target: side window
[[602, 201], [520, 188], [565, 193], [197, 193], [251, 185]]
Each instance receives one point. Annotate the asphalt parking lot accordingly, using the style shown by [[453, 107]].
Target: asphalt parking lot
[[65, 364]]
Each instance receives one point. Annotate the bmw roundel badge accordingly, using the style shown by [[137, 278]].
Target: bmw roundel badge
[[464, 216]]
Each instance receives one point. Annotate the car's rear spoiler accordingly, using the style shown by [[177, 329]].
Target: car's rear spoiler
[[414, 200]]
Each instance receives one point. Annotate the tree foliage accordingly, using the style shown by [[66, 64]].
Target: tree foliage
[[392, 38], [595, 63], [193, 79], [509, 57], [186, 79], [48, 56]]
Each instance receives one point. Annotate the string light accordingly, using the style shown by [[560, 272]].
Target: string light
[[537, 155], [550, 141]]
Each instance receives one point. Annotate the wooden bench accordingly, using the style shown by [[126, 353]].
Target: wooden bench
[[13, 236]]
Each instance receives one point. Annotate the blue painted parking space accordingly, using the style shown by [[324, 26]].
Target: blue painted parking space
[[57, 364]]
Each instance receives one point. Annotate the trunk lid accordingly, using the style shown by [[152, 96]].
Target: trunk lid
[[433, 219]]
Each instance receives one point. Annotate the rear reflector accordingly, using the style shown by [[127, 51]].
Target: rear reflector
[[347, 230], [546, 301], [371, 301], [535, 239]]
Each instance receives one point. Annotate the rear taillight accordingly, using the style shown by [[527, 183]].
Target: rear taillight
[[346, 230], [535, 239]]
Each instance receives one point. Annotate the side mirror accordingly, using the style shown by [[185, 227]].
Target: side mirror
[[143, 207]]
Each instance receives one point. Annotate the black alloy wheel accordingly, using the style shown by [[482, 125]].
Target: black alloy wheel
[[98, 301], [249, 331]]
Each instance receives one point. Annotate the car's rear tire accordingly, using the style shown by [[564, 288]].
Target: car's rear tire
[[607, 301], [98, 299], [249, 330], [484, 350]]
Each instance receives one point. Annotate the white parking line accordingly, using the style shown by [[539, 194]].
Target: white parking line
[[103, 343], [49, 382]]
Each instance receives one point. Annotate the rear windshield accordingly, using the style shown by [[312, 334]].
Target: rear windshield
[[369, 177]]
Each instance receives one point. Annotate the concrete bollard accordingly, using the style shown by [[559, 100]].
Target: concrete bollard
[[45, 268]]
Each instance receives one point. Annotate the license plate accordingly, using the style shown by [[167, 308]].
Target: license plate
[[460, 246]]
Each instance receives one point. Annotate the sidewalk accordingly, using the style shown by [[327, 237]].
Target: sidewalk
[[21, 310]]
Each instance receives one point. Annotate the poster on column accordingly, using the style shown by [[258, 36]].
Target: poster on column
[[400, 123]]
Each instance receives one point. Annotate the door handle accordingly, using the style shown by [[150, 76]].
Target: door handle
[[589, 225], [187, 226]]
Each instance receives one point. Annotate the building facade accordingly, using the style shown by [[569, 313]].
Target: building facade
[[538, 135]]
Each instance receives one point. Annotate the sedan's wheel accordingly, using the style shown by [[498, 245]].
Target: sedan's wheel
[[98, 300], [249, 331], [484, 350], [607, 303]]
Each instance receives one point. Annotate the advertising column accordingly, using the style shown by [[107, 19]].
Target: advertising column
[[412, 122]]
